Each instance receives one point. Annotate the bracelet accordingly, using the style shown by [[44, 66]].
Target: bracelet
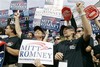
[[82, 14]]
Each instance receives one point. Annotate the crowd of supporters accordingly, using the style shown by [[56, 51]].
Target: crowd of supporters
[[73, 44]]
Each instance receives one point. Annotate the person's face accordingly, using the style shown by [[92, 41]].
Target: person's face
[[38, 33], [57, 40], [68, 32], [79, 31], [8, 30], [29, 35], [77, 35]]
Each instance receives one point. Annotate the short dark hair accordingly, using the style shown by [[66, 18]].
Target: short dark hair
[[12, 26], [31, 33], [39, 28], [2, 30], [67, 27]]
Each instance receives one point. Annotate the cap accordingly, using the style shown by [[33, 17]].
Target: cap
[[38, 28], [67, 27]]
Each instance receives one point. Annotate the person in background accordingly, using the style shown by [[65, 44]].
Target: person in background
[[57, 39], [30, 35], [79, 32], [2, 31], [12, 47]]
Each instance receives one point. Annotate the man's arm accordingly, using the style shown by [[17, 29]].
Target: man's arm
[[17, 24], [85, 22], [14, 52], [97, 22], [46, 36]]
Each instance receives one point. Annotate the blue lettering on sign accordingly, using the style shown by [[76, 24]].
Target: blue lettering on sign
[[95, 28], [35, 54], [34, 48], [18, 5], [4, 14], [51, 23]]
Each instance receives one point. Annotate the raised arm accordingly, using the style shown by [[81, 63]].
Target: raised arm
[[85, 21], [46, 36], [17, 24], [97, 22]]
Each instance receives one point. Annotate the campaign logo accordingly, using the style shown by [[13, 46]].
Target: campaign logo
[[10, 43], [72, 47]]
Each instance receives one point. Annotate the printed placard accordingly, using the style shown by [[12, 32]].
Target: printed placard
[[33, 49], [95, 28], [18, 5], [51, 23], [3, 13]]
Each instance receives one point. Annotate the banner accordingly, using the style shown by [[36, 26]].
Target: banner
[[3, 18], [33, 49], [36, 22], [95, 28], [35, 3], [49, 2], [51, 23], [52, 12], [32, 11], [3, 22], [3, 13], [18, 5], [74, 1]]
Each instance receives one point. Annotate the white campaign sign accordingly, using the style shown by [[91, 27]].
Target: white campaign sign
[[33, 49]]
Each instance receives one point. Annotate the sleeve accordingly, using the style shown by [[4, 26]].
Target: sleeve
[[73, 23], [81, 42], [18, 44], [91, 42], [55, 49]]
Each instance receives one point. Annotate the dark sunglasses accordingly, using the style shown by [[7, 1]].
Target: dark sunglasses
[[57, 38], [78, 30]]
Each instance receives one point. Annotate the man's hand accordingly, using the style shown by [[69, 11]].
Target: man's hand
[[16, 14], [59, 56], [80, 7], [37, 63]]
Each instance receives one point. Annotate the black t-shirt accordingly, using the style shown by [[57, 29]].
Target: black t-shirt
[[87, 58], [14, 43], [71, 51]]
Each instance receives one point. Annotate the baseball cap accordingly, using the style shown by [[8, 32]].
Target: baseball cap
[[67, 27], [38, 28]]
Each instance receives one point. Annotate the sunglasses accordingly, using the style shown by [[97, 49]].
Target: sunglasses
[[78, 30], [57, 38]]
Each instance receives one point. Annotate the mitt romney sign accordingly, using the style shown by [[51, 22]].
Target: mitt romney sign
[[33, 49]]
